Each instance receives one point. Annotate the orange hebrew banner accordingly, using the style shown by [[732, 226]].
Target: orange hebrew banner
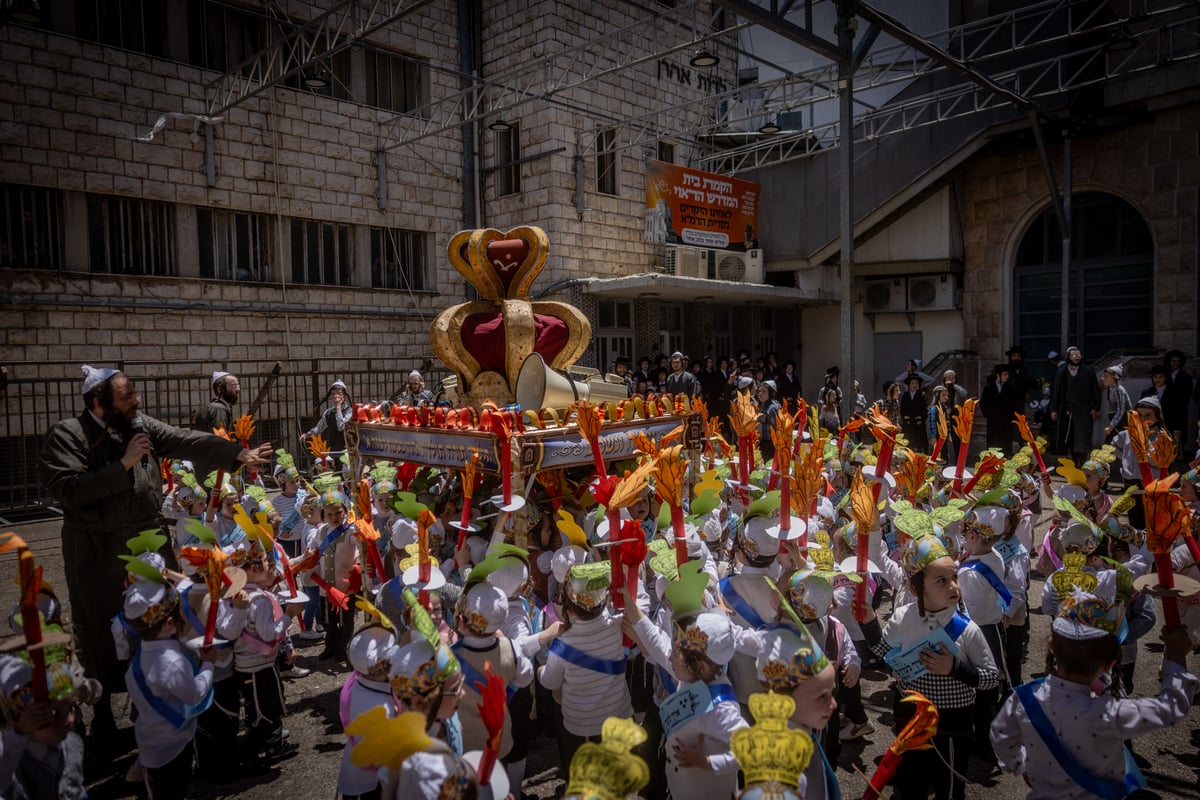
[[702, 209]]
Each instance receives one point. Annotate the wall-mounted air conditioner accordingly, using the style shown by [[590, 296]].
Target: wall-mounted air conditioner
[[884, 295], [687, 262], [744, 267], [932, 292]]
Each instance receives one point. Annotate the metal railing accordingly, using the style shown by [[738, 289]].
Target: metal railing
[[36, 395]]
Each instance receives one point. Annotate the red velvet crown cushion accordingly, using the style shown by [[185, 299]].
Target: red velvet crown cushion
[[483, 337]]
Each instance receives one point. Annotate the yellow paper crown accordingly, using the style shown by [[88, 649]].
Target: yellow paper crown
[[608, 770], [768, 752]]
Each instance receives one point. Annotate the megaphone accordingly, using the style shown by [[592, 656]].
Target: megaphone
[[538, 386]]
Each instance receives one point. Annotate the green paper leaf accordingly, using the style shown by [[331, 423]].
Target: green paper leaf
[[148, 541], [915, 523], [686, 594], [598, 574], [764, 506], [201, 531], [406, 503], [136, 566]]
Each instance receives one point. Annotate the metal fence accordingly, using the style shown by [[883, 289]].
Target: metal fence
[[38, 394]]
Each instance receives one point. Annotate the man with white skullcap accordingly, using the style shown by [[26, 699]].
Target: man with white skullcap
[[103, 470], [414, 392], [218, 413]]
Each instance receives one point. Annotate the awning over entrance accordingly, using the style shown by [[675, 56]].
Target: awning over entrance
[[673, 288]]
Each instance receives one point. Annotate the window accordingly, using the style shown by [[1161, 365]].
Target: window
[[30, 227], [615, 314], [233, 246], [1111, 280], [138, 25], [399, 260], [130, 237], [220, 37], [508, 153], [394, 82], [606, 162], [320, 253], [666, 152]]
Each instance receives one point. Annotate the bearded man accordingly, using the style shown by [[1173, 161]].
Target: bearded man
[[103, 469]]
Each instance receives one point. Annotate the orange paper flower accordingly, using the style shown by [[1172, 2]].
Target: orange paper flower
[[630, 489], [744, 416], [1163, 451], [224, 434], [862, 505], [669, 469], [317, 446], [468, 481], [1166, 515], [1023, 427], [588, 417], [964, 421], [781, 434], [1139, 437], [913, 473], [243, 427]]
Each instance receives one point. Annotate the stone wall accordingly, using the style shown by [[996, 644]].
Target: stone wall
[[1153, 165]]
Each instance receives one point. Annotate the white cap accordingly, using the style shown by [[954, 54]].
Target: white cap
[[404, 532], [564, 559], [153, 559], [94, 376], [406, 659], [14, 674], [1053, 354], [510, 576], [757, 539], [216, 376], [811, 594], [719, 646], [370, 649], [338, 385], [485, 608], [745, 382], [414, 374], [142, 596]]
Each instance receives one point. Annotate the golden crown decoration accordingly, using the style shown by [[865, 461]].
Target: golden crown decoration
[[608, 770], [768, 752]]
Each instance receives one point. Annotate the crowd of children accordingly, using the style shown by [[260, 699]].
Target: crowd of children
[[582, 602]]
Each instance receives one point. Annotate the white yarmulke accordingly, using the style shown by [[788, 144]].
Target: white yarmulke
[[810, 594], [485, 608], [825, 508], [602, 525], [1075, 495], [989, 522], [14, 674], [719, 631], [404, 532], [414, 374], [406, 659], [216, 376], [1077, 535], [510, 576], [564, 559], [370, 649], [478, 547], [151, 558], [94, 376], [713, 526]]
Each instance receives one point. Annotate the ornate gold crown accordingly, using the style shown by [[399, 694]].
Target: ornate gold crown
[[1072, 576], [768, 751], [691, 640], [608, 770]]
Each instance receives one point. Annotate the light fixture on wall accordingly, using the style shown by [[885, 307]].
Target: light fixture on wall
[[499, 126], [703, 58], [316, 77], [770, 126]]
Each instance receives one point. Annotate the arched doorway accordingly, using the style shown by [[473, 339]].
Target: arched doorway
[[1111, 281]]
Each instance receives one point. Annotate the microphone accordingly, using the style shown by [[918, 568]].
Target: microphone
[[140, 427]]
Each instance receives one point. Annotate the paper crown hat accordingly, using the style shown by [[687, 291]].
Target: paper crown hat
[[587, 584], [1083, 615], [790, 658], [986, 522], [769, 752], [920, 552], [811, 593], [708, 634], [608, 770]]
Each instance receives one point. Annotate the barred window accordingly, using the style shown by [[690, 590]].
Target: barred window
[[30, 227], [321, 253], [127, 236], [138, 25], [508, 156], [221, 36], [233, 245], [606, 162], [394, 82], [399, 260]]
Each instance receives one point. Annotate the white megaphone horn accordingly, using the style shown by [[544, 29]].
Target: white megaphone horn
[[538, 386]]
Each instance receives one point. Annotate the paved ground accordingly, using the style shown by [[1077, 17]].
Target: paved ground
[[1174, 755]]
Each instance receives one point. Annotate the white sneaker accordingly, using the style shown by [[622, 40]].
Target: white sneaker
[[310, 636], [850, 733]]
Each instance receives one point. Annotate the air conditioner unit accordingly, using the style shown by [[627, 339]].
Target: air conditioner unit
[[932, 293], [882, 296], [740, 267], [687, 262]]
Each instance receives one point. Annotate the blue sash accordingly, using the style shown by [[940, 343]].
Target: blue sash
[[667, 681], [993, 580], [581, 659], [473, 677], [166, 710], [1101, 787], [135, 638], [332, 537], [955, 627], [739, 604], [722, 693], [188, 613], [293, 518]]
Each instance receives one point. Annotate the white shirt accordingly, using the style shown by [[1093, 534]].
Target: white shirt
[[981, 599], [169, 677], [1092, 729], [589, 697], [264, 619], [364, 696]]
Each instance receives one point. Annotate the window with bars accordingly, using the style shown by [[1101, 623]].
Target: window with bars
[[399, 260], [606, 162], [222, 36], [666, 152], [127, 236], [508, 153], [30, 227], [138, 25], [394, 82], [234, 246], [321, 253]]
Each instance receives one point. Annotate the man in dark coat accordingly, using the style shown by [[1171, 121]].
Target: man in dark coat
[[217, 414], [999, 403], [1074, 404], [1177, 395], [912, 414], [105, 476]]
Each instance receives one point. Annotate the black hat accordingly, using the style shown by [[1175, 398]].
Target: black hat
[[1000, 368], [832, 371], [1159, 369], [912, 376], [1016, 349], [626, 360], [1174, 354]]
